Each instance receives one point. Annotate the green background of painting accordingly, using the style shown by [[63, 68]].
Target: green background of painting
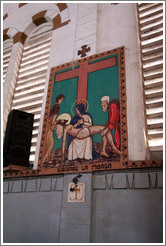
[[100, 83], [68, 88]]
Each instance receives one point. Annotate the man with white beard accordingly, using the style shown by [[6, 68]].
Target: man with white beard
[[113, 120]]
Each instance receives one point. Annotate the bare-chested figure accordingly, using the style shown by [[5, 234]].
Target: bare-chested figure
[[54, 111], [82, 133]]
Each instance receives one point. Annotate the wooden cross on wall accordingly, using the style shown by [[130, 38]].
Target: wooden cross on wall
[[82, 74]]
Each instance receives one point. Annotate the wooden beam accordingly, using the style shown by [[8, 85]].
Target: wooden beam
[[151, 14], [154, 116], [154, 59], [154, 85], [154, 35], [155, 76], [152, 28], [154, 95], [151, 44], [155, 126], [154, 52], [152, 68], [154, 6], [151, 21], [154, 105], [155, 135]]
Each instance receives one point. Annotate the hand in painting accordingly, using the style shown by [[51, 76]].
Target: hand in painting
[[54, 127], [62, 122], [79, 122], [104, 132]]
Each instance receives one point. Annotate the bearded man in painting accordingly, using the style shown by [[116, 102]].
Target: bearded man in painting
[[113, 122]]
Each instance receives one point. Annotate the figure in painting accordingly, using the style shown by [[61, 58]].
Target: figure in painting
[[113, 122], [49, 143], [64, 128], [81, 148]]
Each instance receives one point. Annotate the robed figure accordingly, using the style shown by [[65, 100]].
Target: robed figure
[[81, 148]]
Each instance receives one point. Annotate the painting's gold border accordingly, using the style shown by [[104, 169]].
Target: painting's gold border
[[124, 162]]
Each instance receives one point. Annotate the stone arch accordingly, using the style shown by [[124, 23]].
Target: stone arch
[[58, 16], [14, 35], [21, 4], [61, 6], [5, 16], [5, 34]]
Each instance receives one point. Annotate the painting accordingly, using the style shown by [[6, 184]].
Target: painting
[[85, 120]]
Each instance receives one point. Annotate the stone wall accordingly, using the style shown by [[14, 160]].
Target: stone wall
[[123, 207], [127, 208]]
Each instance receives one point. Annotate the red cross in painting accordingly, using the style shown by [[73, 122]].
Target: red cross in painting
[[82, 74]]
